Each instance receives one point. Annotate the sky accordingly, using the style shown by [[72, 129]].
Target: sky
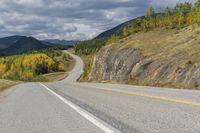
[[70, 19]]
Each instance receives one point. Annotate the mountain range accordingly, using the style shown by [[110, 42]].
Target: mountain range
[[21, 44], [8, 41], [61, 42]]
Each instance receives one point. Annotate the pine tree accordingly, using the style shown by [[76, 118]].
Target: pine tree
[[168, 12], [150, 13]]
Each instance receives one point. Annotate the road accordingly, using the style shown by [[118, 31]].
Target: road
[[77, 71], [71, 107]]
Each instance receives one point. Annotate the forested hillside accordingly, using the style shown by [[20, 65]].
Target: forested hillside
[[21, 44], [6, 42], [28, 67]]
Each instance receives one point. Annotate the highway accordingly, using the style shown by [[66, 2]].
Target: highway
[[71, 107]]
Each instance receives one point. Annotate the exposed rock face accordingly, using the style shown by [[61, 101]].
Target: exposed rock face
[[130, 65], [115, 65]]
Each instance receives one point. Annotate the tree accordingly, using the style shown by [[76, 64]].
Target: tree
[[167, 21], [42, 68], [125, 32], [168, 12], [138, 22], [113, 39], [197, 4], [150, 17], [182, 10], [2, 69], [61, 67], [196, 12], [150, 13]]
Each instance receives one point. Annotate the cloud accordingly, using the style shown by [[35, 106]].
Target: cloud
[[69, 19], [169, 3]]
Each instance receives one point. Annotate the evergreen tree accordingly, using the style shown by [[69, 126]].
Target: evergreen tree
[[168, 12], [150, 13], [197, 4]]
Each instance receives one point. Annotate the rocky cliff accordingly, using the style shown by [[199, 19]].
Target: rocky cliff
[[157, 58]]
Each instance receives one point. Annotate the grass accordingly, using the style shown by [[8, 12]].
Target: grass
[[51, 77], [88, 61], [4, 84], [166, 44]]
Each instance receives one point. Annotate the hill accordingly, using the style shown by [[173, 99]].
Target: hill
[[23, 45], [157, 58], [118, 29], [61, 42], [6, 42], [157, 50]]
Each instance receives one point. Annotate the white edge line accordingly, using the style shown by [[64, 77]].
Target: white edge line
[[82, 112]]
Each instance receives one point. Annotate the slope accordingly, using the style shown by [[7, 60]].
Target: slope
[[5, 42], [118, 29], [158, 58], [61, 42], [25, 44]]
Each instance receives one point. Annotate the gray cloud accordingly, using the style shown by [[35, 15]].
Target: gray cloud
[[69, 19]]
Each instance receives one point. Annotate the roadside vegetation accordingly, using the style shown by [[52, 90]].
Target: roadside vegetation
[[31, 66], [88, 60], [6, 83], [89, 47]]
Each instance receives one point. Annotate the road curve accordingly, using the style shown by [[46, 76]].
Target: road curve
[[77, 71], [71, 107]]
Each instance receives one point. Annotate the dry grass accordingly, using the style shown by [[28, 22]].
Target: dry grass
[[51, 77], [164, 44], [71, 50], [4, 84], [88, 61]]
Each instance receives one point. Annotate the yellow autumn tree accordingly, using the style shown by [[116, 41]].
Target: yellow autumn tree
[[61, 67], [2, 69], [38, 62]]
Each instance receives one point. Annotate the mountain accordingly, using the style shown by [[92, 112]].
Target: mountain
[[61, 42], [23, 45], [6, 42], [118, 29]]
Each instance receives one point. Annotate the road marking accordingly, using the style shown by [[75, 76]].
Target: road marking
[[100, 124], [149, 96]]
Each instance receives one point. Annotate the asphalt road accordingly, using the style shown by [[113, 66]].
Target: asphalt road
[[70, 107], [77, 71]]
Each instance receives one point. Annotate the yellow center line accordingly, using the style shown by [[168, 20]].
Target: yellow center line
[[151, 96]]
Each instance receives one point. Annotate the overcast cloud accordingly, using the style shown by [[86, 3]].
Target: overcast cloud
[[70, 19]]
